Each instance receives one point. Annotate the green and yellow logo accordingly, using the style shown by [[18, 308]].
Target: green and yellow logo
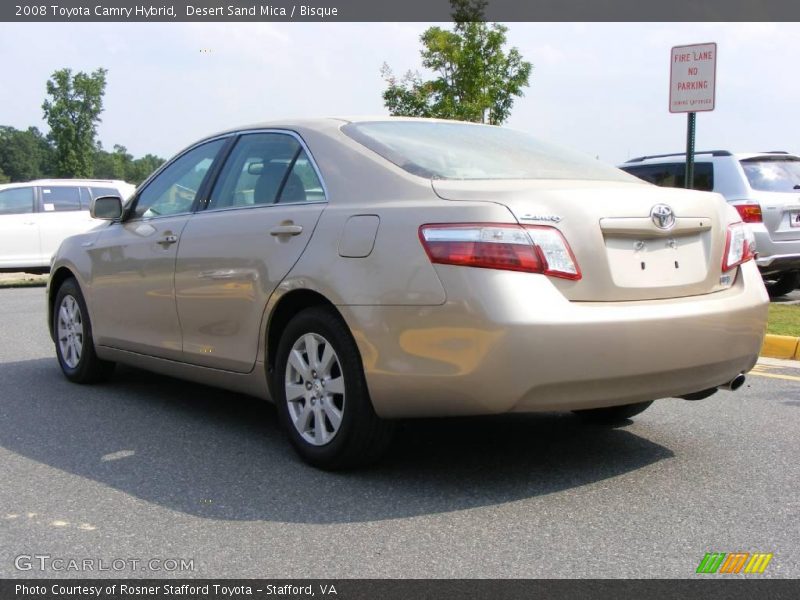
[[734, 562]]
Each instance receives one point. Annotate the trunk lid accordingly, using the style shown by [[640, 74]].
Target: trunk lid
[[621, 252]]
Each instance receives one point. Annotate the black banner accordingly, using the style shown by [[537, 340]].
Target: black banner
[[395, 589], [407, 10]]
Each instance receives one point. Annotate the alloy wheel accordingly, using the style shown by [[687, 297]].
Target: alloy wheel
[[70, 331], [315, 391]]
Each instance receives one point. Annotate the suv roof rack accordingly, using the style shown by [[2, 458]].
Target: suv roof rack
[[711, 152], [775, 152]]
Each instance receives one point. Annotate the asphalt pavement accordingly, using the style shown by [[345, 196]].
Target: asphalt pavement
[[147, 467]]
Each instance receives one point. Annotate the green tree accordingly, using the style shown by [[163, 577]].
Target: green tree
[[111, 165], [25, 155], [141, 168], [476, 79], [73, 112]]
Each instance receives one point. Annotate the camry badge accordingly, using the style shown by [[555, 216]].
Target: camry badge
[[548, 218], [662, 216]]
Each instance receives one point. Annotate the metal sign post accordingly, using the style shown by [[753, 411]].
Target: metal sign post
[[692, 89], [690, 126]]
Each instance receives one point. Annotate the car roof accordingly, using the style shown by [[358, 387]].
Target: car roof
[[328, 123], [662, 158], [78, 181]]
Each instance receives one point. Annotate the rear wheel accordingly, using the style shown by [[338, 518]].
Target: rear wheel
[[322, 395], [783, 284], [613, 414], [73, 333]]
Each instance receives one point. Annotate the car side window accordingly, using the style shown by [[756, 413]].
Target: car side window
[[303, 184], [105, 191], [174, 189], [61, 198], [666, 175], [674, 175], [264, 169], [16, 201]]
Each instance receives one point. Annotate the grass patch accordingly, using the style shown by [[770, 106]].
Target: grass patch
[[22, 280], [784, 319]]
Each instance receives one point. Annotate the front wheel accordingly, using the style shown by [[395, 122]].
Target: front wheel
[[73, 333], [613, 414], [322, 396]]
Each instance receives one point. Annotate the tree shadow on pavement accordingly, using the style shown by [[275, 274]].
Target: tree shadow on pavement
[[214, 454]]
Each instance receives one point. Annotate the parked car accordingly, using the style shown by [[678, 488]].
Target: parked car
[[36, 216], [763, 186], [360, 271]]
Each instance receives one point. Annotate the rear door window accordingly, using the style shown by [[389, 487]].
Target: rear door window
[[674, 174], [264, 169], [61, 198], [16, 201]]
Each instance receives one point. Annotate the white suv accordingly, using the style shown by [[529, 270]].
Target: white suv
[[36, 216], [763, 186]]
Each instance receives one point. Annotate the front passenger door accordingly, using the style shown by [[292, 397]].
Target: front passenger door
[[133, 262]]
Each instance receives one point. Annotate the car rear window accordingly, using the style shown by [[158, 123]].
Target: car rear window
[[446, 150], [773, 174]]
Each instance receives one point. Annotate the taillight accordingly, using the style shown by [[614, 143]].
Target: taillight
[[740, 246], [532, 249], [750, 212]]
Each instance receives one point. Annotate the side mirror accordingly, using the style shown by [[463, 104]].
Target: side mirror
[[108, 208]]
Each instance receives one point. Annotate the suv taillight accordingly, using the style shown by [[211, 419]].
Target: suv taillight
[[740, 246], [531, 249], [750, 212]]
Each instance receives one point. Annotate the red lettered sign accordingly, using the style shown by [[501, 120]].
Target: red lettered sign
[[692, 78]]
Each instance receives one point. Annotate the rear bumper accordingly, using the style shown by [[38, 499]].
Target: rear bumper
[[509, 342], [775, 264], [775, 257]]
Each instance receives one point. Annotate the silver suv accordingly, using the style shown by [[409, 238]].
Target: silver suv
[[764, 187]]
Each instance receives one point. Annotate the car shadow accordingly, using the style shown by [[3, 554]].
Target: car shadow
[[214, 454]]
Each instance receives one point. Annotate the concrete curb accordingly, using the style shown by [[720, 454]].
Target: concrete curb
[[781, 346]]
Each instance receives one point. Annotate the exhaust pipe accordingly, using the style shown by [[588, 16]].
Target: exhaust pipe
[[734, 384]]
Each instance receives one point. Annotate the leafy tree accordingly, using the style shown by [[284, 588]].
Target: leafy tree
[[73, 112], [476, 79], [119, 164], [141, 168], [3, 177], [25, 155]]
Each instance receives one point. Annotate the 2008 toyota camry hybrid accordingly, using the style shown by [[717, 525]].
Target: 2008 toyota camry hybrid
[[360, 271]]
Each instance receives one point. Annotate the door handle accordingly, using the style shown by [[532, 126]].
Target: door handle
[[168, 239], [286, 230]]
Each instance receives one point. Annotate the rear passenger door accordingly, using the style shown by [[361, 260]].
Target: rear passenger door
[[232, 255], [19, 234], [64, 212]]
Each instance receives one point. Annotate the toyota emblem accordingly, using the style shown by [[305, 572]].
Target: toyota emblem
[[662, 216]]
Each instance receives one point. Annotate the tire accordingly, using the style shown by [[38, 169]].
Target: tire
[[321, 394], [73, 337], [783, 284], [613, 414]]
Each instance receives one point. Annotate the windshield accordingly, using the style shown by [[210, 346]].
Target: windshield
[[778, 174], [440, 150]]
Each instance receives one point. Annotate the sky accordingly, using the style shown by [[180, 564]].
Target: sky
[[600, 88]]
